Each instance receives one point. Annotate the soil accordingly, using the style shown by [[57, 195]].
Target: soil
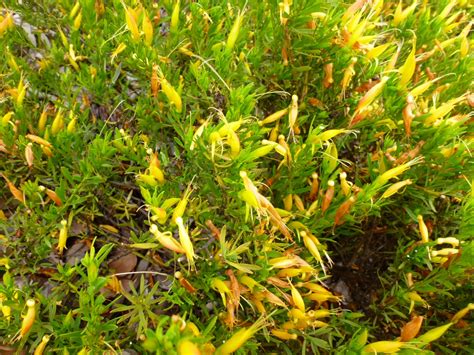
[[359, 262]]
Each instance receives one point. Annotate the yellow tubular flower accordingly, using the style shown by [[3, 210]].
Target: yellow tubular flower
[[234, 32], [185, 241], [175, 16], [75, 10], [147, 28], [239, 338], [408, 69], [377, 51], [41, 346], [78, 21], [457, 317], [394, 172], [6, 118], [219, 285], [283, 334], [186, 347], [393, 189], [297, 299], [386, 347], [434, 334], [181, 206], [273, 117], [58, 123], [423, 229], [167, 240], [63, 234], [401, 15], [132, 23], [172, 95]]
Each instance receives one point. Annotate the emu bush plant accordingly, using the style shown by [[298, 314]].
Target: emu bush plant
[[199, 177]]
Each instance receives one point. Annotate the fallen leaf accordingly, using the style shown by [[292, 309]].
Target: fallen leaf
[[125, 263]]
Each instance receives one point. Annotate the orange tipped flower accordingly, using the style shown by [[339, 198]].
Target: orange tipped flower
[[420, 89], [313, 287], [311, 244], [314, 187], [234, 286], [351, 10], [408, 114], [29, 318], [299, 203], [263, 205], [371, 95], [349, 72], [29, 156], [99, 7], [411, 329], [328, 80], [17, 194], [293, 114], [288, 202], [155, 82], [328, 196], [155, 170], [343, 210], [39, 140]]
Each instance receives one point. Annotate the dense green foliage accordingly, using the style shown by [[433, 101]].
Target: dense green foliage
[[190, 177]]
